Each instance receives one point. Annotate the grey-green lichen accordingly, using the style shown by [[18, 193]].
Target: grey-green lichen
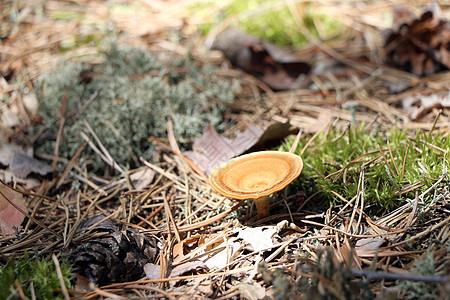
[[127, 98]]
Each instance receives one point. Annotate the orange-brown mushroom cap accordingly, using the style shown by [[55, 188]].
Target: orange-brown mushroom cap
[[256, 175]]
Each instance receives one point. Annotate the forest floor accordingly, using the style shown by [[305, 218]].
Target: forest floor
[[368, 217]]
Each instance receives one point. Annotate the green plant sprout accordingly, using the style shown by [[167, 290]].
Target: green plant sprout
[[35, 276], [393, 165]]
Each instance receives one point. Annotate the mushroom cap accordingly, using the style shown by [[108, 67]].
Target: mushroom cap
[[257, 174]]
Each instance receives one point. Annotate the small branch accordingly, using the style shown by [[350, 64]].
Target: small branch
[[379, 275]]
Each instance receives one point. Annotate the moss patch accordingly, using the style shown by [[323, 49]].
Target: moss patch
[[350, 161], [274, 21], [33, 274]]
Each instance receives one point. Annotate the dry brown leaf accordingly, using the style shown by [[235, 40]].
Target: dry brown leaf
[[152, 271], [185, 246], [20, 163], [23, 165], [211, 150], [142, 178], [260, 238], [252, 290], [274, 66], [368, 244], [10, 216], [419, 105]]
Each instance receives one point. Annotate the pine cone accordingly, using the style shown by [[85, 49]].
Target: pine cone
[[119, 257], [418, 45]]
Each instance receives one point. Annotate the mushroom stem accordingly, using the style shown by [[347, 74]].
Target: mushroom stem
[[262, 206]]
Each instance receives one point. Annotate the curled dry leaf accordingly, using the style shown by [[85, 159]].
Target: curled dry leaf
[[256, 239], [152, 271], [21, 164], [274, 66], [142, 178], [260, 238], [10, 216], [252, 290], [420, 105]]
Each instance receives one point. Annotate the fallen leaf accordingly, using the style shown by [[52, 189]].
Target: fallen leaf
[[260, 238], [187, 245], [211, 150], [230, 249], [10, 217], [153, 271], [251, 290], [20, 163], [367, 244], [419, 105], [9, 178], [187, 267], [142, 178], [7, 152], [274, 66], [23, 165]]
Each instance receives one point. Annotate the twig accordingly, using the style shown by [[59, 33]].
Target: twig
[[379, 275], [62, 120], [413, 211]]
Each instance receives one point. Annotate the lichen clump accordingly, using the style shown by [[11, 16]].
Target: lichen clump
[[126, 99]]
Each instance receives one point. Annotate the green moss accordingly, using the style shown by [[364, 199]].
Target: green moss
[[273, 21], [334, 160], [33, 273], [137, 94]]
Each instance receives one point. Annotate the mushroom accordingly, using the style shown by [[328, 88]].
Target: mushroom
[[256, 176]]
